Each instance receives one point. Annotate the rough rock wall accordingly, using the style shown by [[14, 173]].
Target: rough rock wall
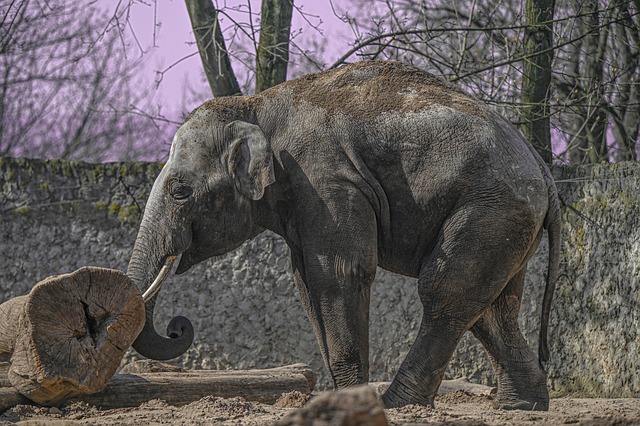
[[57, 216]]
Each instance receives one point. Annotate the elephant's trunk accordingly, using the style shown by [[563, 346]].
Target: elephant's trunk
[[145, 263]]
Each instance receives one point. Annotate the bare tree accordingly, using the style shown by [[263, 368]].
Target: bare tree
[[596, 77], [582, 84], [258, 50], [625, 97], [575, 70], [536, 76], [66, 89]]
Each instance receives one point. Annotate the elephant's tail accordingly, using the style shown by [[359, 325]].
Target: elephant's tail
[[553, 225]]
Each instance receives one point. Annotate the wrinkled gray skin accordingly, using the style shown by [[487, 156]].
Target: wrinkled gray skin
[[374, 163]]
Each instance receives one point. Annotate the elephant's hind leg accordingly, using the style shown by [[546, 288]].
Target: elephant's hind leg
[[467, 270], [522, 383]]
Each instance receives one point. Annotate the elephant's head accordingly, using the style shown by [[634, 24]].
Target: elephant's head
[[200, 206]]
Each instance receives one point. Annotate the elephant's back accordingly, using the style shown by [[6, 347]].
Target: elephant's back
[[397, 118], [367, 90]]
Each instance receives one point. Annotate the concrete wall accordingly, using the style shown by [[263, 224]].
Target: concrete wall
[[57, 216]]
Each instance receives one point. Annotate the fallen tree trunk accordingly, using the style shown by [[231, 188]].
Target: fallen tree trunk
[[69, 334], [181, 388]]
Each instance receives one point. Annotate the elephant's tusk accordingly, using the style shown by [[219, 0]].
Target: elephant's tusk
[[160, 279]]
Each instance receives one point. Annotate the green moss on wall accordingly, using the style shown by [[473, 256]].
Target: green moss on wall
[[124, 213], [99, 170], [129, 214], [63, 167], [114, 209], [21, 210]]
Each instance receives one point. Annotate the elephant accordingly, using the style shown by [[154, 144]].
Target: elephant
[[375, 163]]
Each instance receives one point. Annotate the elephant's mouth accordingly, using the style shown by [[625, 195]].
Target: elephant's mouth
[[190, 257], [186, 262], [156, 285]]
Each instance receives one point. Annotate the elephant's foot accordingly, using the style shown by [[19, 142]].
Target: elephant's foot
[[530, 395], [399, 395]]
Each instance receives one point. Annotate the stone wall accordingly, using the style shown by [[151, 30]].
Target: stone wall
[[57, 216]]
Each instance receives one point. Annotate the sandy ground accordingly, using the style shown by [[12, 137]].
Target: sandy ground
[[458, 408]]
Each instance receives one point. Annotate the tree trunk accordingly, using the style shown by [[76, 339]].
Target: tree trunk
[[589, 121], [69, 334], [184, 387], [273, 49], [212, 48], [626, 116], [537, 76], [596, 116]]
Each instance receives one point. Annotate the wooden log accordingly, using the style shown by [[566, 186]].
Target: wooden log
[[152, 366], [9, 317], [70, 333], [181, 388]]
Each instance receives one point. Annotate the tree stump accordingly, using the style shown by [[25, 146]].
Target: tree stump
[[67, 337]]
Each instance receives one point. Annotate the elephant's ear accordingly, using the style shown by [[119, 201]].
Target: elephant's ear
[[250, 159]]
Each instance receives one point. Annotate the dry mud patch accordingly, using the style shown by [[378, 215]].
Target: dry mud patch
[[458, 408]]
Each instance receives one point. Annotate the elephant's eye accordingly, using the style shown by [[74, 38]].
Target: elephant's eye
[[181, 191]]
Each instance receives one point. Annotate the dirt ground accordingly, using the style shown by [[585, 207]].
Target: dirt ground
[[457, 408]]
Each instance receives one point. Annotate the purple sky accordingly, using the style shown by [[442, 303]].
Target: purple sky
[[174, 38]]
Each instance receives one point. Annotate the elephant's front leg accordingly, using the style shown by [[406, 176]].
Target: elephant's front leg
[[335, 294]]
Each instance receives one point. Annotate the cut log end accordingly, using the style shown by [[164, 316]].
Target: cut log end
[[73, 332]]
